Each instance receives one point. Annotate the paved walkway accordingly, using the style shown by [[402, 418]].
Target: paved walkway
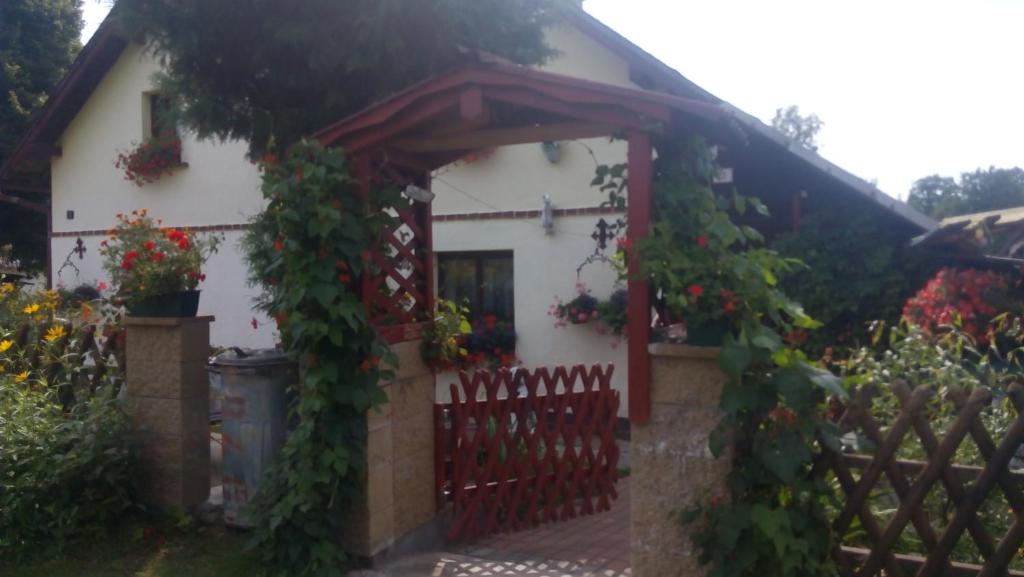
[[592, 546]]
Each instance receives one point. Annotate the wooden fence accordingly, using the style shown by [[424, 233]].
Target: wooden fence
[[78, 363], [916, 517]]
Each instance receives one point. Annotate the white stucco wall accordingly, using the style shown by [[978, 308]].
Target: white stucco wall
[[515, 178], [218, 188]]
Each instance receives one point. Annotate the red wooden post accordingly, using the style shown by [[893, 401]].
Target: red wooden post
[[641, 179], [363, 169]]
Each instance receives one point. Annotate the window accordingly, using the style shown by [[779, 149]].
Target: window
[[160, 121], [482, 280]]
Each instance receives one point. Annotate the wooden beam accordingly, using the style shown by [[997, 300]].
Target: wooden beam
[[504, 137], [26, 204], [471, 103], [638, 309]]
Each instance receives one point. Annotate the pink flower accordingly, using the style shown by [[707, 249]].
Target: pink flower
[[102, 286]]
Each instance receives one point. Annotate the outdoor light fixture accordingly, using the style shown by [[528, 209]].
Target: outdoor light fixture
[[547, 216], [552, 150], [419, 194]]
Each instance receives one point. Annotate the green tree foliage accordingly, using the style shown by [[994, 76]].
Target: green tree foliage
[[272, 71], [978, 191], [38, 41], [802, 129]]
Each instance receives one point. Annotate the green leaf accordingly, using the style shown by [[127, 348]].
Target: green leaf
[[734, 358]]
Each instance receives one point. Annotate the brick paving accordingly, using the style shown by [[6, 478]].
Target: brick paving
[[591, 546]]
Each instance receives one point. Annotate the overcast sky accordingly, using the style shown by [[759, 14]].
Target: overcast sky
[[906, 88]]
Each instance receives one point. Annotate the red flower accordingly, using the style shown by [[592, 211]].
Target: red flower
[[695, 290], [490, 321], [183, 243], [156, 257], [702, 241], [278, 245], [344, 278], [255, 324], [150, 245]]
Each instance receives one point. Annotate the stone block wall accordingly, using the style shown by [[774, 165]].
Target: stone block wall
[[400, 449], [671, 464], [168, 400]]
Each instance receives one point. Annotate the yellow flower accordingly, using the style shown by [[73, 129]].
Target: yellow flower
[[5, 345], [55, 333], [21, 377], [31, 309]]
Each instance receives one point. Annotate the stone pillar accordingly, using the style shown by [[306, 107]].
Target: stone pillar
[[671, 464], [399, 497], [168, 399]]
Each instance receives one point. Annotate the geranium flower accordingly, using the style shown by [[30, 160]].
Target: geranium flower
[[150, 245], [702, 241], [695, 290]]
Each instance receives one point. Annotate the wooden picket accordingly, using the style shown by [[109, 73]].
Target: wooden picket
[[528, 447], [92, 360], [966, 488]]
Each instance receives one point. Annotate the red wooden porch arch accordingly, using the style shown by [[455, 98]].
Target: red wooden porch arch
[[442, 119]]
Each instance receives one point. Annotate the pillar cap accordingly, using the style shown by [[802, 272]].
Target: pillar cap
[[166, 322], [687, 351]]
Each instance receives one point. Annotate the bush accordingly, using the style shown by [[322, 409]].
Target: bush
[[66, 465], [63, 476]]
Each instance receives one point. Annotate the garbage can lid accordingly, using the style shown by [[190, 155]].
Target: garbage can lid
[[239, 357]]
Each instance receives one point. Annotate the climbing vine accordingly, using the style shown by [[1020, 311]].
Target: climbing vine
[[769, 520], [307, 251]]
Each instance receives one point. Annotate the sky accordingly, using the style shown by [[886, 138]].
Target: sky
[[906, 88]]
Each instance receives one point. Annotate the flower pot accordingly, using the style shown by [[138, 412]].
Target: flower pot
[[709, 334], [178, 304]]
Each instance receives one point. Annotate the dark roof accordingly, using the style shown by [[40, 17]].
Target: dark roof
[[649, 72], [38, 145]]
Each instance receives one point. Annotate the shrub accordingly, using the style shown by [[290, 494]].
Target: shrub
[[63, 476], [66, 465], [968, 296]]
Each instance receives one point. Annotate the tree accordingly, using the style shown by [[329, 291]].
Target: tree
[[978, 191], [38, 41], [272, 71], [802, 129]]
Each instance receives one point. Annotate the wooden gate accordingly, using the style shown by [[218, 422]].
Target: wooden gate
[[929, 504], [518, 448]]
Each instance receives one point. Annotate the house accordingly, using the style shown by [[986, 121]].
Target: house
[[510, 255]]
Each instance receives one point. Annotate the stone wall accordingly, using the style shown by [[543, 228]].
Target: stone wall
[[671, 464], [400, 447], [168, 399]]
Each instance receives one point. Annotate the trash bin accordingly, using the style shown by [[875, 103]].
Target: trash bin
[[254, 421]]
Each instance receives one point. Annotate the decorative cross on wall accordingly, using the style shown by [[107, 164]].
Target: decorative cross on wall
[[603, 234], [79, 249]]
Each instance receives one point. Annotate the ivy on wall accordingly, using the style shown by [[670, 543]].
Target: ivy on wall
[[308, 251], [859, 270]]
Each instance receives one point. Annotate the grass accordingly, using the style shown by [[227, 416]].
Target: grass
[[135, 551]]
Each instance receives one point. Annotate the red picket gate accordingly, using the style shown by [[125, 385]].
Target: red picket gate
[[519, 448]]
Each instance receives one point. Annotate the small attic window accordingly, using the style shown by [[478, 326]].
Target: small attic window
[[158, 117]]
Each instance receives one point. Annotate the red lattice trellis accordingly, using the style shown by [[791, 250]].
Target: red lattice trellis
[[528, 447], [401, 293]]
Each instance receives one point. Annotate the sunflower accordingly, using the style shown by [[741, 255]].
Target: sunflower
[[55, 333], [21, 377], [31, 309], [5, 345]]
